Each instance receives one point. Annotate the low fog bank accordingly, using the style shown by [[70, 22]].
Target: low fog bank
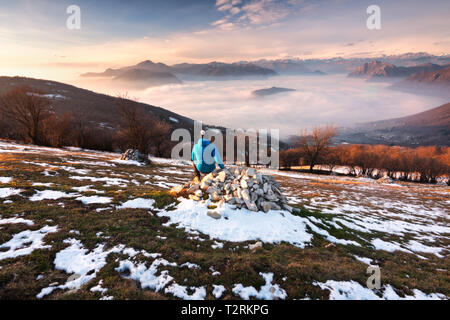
[[318, 100]]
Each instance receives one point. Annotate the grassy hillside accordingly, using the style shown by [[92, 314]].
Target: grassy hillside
[[102, 249]]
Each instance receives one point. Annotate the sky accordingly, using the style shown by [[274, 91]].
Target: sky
[[35, 41]]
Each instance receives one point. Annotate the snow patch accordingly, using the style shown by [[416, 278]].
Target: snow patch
[[351, 290], [388, 246], [218, 291], [87, 189], [94, 199], [128, 162], [16, 221], [363, 260], [51, 195], [99, 288], [138, 203], [147, 277], [5, 180], [25, 242], [77, 260], [190, 265], [41, 184], [8, 192], [268, 291], [182, 292], [109, 181], [241, 225]]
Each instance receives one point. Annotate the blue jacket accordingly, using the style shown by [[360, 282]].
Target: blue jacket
[[205, 156]]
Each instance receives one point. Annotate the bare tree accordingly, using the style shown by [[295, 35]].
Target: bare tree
[[159, 136], [289, 158], [332, 158], [27, 108], [422, 164], [314, 145], [140, 130], [135, 126], [59, 130]]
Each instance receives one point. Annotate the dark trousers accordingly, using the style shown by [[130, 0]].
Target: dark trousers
[[197, 173]]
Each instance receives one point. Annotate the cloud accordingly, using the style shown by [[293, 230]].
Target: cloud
[[221, 2], [247, 30], [318, 100], [235, 10], [254, 12]]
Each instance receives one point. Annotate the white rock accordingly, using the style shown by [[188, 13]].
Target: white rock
[[208, 177], [221, 176], [198, 193], [193, 188], [211, 190], [259, 192], [266, 206], [255, 245], [274, 206], [259, 178], [245, 195], [204, 185], [214, 215]]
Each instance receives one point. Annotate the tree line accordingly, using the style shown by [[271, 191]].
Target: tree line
[[316, 150], [26, 114]]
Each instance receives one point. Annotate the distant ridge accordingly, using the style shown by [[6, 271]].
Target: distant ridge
[[441, 77], [88, 105], [379, 69], [146, 77], [384, 66], [439, 116], [159, 73], [435, 83], [270, 91], [431, 127]]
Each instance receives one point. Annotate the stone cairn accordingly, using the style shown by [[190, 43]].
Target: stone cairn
[[134, 155], [238, 186]]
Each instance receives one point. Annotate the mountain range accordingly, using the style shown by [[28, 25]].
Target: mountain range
[[438, 77], [151, 74], [89, 106], [379, 69], [433, 83], [287, 67], [347, 65], [431, 127]]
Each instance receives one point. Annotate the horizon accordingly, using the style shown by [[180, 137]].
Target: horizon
[[37, 42], [61, 41]]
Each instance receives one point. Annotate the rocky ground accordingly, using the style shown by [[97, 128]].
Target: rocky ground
[[76, 224], [238, 186]]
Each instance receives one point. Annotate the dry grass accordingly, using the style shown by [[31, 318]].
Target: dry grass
[[139, 229]]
